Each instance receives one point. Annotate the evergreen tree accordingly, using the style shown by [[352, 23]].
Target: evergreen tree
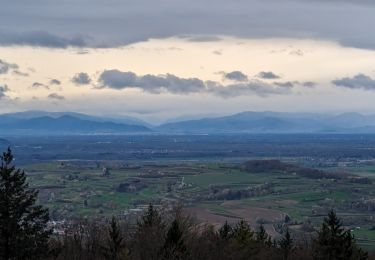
[[225, 232], [286, 245], [334, 243], [115, 249], [262, 237], [150, 235], [245, 240], [174, 247], [150, 218], [243, 233], [23, 225]]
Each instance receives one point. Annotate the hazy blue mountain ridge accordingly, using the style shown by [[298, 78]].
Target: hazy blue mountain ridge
[[274, 122], [65, 124], [40, 122]]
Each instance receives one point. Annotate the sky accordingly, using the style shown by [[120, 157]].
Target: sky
[[164, 59]]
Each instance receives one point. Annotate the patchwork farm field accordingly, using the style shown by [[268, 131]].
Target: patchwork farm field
[[212, 192]]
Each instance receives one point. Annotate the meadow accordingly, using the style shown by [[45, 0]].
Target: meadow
[[212, 192]]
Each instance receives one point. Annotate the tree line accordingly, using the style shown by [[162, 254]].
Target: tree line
[[25, 234]]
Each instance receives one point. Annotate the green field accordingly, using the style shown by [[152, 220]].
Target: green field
[[211, 191]]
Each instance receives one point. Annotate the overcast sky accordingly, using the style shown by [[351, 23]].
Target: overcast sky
[[169, 58]]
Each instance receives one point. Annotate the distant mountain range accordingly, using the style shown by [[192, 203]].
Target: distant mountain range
[[273, 122], [45, 123], [63, 123], [12, 117]]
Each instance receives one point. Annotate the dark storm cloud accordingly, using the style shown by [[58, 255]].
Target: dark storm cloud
[[5, 67], [55, 82], [236, 76], [3, 90], [81, 79], [360, 81], [115, 79], [113, 23], [267, 75], [56, 96]]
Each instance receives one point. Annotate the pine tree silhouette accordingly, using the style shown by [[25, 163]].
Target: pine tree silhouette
[[286, 245], [243, 234], [150, 218], [174, 247], [150, 234], [115, 249], [225, 232], [23, 225], [262, 237], [334, 243]]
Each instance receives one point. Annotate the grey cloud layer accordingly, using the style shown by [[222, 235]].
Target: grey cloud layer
[[169, 83], [255, 87], [287, 84], [112, 23], [39, 38], [150, 83], [5, 67], [236, 75], [56, 96], [39, 85], [292, 84], [55, 82], [20, 73], [360, 81], [3, 90], [309, 84], [81, 79], [267, 75]]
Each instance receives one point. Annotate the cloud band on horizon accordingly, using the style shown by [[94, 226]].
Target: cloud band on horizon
[[169, 83]]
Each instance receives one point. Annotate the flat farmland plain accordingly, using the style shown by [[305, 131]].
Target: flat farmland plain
[[212, 192]]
